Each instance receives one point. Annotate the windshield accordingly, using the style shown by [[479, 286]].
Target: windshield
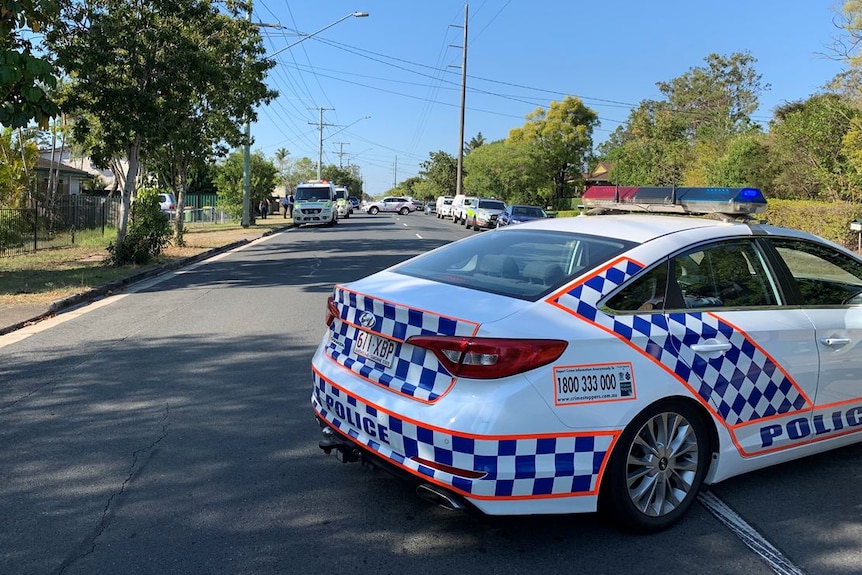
[[524, 264], [340, 194], [492, 205], [528, 211], [312, 194]]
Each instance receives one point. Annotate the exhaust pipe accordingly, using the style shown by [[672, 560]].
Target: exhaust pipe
[[440, 497]]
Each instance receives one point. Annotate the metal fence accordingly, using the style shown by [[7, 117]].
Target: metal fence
[[75, 218], [68, 221]]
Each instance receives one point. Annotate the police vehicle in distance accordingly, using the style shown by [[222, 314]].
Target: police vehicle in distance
[[314, 203], [483, 213], [615, 363], [342, 205]]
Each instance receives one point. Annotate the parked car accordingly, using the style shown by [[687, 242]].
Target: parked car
[[392, 204], [354, 202], [482, 214], [444, 206], [613, 362], [518, 214], [168, 204], [430, 208]]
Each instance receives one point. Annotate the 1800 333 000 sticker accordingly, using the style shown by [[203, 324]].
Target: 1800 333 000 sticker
[[593, 382]]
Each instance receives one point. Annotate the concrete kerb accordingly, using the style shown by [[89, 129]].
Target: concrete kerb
[[114, 286]]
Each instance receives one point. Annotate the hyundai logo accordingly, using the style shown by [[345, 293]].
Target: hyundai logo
[[367, 319]]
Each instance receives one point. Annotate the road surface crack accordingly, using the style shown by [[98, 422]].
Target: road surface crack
[[88, 545]]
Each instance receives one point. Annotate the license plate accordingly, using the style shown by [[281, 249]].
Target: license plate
[[375, 348]]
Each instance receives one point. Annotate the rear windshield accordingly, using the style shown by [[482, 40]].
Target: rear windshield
[[312, 194], [524, 264], [341, 194]]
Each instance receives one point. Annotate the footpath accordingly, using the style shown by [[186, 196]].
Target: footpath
[[18, 315]]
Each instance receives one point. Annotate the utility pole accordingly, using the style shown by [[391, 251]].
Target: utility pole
[[340, 152], [320, 126], [395, 173], [460, 174], [246, 165]]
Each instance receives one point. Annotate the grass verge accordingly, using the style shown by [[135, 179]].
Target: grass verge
[[48, 275]]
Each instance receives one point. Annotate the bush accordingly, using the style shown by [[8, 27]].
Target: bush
[[830, 220], [148, 234]]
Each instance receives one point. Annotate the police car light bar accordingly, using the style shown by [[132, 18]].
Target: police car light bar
[[690, 200]]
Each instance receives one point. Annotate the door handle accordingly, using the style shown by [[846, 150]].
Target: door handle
[[835, 341], [711, 347]]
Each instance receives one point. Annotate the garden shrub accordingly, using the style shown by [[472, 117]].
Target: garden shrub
[[148, 234]]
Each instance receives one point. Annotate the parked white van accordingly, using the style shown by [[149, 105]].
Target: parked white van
[[444, 206]]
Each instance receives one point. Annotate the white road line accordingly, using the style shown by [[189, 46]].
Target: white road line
[[418, 236], [749, 535]]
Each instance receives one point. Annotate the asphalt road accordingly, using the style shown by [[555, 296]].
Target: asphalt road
[[169, 430]]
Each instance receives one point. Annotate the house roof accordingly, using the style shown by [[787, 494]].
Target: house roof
[[600, 173], [45, 165]]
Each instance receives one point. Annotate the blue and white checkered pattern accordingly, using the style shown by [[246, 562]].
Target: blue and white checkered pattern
[[529, 466], [742, 385], [415, 372]]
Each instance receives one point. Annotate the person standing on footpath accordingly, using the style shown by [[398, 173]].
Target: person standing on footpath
[[262, 208], [285, 202], [290, 201]]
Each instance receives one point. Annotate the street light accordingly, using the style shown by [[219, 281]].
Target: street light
[[246, 167], [328, 26]]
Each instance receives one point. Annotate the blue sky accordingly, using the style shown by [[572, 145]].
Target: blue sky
[[389, 84]]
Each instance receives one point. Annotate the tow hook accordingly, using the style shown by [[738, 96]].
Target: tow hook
[[345, 452]]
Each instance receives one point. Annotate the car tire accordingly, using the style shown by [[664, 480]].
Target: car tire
[[373, 210], [650, 482], [475, 225], [404, 211]]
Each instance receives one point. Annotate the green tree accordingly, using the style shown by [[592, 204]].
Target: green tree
[[343, 177], [409, 188], [810, 153], [717, 100], [18, 158], [441, 170], [745, 162], [136, 66], [229, 179], [282, 156], [504, 170], [561, 141], [25, 79], [475, 142], [299, 170]]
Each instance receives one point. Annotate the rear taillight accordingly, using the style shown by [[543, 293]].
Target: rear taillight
[[331, 311], [490, 358]]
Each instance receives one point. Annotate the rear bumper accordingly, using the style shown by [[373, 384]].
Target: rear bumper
[[496, 474]]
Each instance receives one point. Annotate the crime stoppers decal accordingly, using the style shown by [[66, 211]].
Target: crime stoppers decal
[[574, 384]]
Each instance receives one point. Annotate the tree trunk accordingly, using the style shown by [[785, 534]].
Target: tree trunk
[[181, 182], [128, 189]]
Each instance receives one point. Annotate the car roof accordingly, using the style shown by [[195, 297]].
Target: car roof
[[636, 228]]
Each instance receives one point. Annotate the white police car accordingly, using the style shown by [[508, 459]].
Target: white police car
[[617, 362]]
